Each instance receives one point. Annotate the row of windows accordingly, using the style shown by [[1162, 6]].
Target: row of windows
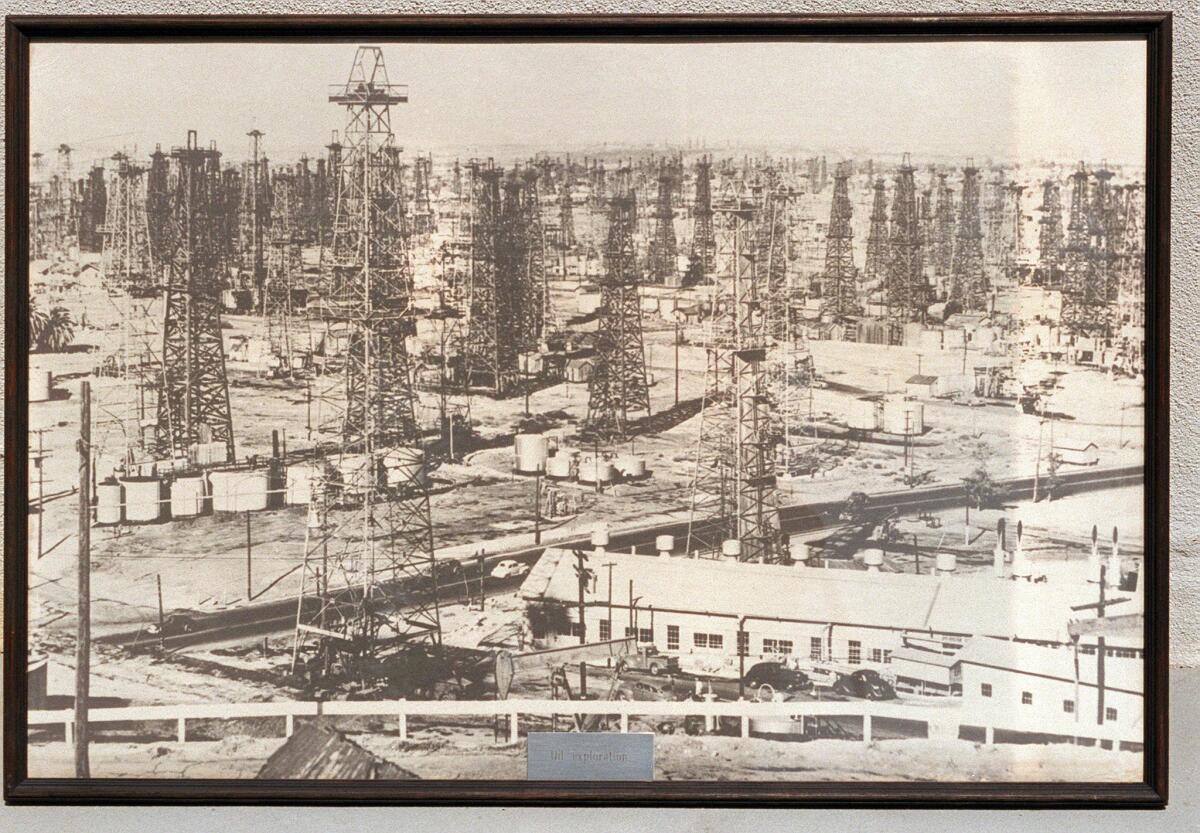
[[1117, 653], [1068, 706]]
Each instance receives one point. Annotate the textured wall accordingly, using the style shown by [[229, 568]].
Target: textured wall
[[1185, 325]]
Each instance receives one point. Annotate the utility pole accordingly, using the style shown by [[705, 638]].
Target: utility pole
[[162, 639], [83, 639], [677, 337], [583, 574], [249, 589], [537, 505]]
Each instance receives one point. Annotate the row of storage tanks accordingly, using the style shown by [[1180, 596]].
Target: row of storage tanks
[[153, 498], [892, 415], [540, 453]]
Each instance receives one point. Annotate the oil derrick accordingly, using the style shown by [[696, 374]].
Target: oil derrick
[[1085, 301], [254, 215], [491, 357], [943, 229], [925, 212], [512, 266], [663, 268], [1104, 228], [194, 403], [968, 282], [93, 211], [125, 253], [907, 291], [305, 208], [1131, 267], [877, 237], [356, 599], [733, 488], [771, 259], [283, 262], [838, 289], [1012, 221], [1050, 234], [704, 247], [158, 203], [618, 388], [423, 221], [333, 175], [536, 297], [231, 216], [993, 221], [566, 216]]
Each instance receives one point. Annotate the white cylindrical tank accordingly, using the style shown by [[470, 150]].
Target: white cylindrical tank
[[631, 466], [596, 470], [903, 416], [873, 558], [532, 451], [238, 491], [863, 414], [800, 552], [558, 467], [947, 562], [663, 545], [189, 496], [41, 384], [143, 499], [405, 466], [108, 502], [302, 478], [731, 548], [600, 535]]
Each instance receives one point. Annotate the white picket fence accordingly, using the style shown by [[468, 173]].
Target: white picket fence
[[941, 722]]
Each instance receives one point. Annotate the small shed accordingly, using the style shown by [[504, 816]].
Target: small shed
[[1087, 455], [317, 751], [921, 385]]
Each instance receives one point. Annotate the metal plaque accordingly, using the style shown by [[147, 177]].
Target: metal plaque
[[590, 756]]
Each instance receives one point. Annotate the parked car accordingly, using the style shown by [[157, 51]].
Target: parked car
[[508, 568], [175, 624], [865, 683], [648, 659], [778, 676], [643, 689]]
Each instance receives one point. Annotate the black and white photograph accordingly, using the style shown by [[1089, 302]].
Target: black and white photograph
[[396, 404]]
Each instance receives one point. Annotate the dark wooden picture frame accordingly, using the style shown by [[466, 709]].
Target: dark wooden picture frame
[[1151, 792]]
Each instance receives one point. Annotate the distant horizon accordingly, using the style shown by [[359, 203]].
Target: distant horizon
[[1025, 101]]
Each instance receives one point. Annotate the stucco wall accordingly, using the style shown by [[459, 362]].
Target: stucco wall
[[1185, 324]]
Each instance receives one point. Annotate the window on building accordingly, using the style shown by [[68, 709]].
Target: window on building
[[855, 656], [630, 632], [1087, 649], [708, 640], [1026, 698], [576, 630], [777, 646], [645, 635], [1069, 706], [1110, 713], [672, 637], [887, 657], [876, 655], [985, 689], [605, 630], [815, 647], [743, 643]]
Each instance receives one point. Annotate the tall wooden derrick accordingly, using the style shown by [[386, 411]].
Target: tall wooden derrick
[[1085, 294], [704, 247], [423, 219], [512, 266], [1131, 267], [993, 221], [734, 484], [1104, 230], [125, 251], [158, 202], [93, 211], [663, 268], [618, 389], [906, 289], [968, 281], [333, 175], [925, 213], [943, 229], [566, 216], [357, 602], [839, 291], [1050, 234], [1012, 228], [284, 268], [877, 237], [491, 356], [193, 405], [255, 217], [536, 295]]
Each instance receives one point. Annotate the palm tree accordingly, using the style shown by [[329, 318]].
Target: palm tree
[[50, 333], [37, 326]]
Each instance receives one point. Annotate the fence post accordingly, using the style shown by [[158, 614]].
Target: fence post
[[514, 728], [403, 726], [181, 729], [289, 725], [69, 731], [866, 728], [745, 725], [624, 721], [989, 736]]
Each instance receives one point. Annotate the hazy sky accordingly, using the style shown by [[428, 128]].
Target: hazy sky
[[1067, 100]]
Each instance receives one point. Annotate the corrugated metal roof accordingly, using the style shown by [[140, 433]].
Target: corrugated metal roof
[[976, 604], [316, 751]]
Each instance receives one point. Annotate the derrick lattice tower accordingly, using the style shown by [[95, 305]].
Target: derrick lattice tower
[[704, 247], [838, 281], [877, 236], [968, 281], [943, 229], [906, 289], [1050, 233], [663, 247]]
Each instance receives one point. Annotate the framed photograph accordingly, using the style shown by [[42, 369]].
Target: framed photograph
[[743, 411]]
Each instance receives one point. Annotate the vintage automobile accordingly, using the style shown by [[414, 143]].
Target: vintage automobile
[[508, 568], [866, 684], [648, 659]]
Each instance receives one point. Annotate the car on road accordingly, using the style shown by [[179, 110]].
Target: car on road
[[778, 676], [643, 689], [648, 659], [175, 624], [508, 568], [865, 683]]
